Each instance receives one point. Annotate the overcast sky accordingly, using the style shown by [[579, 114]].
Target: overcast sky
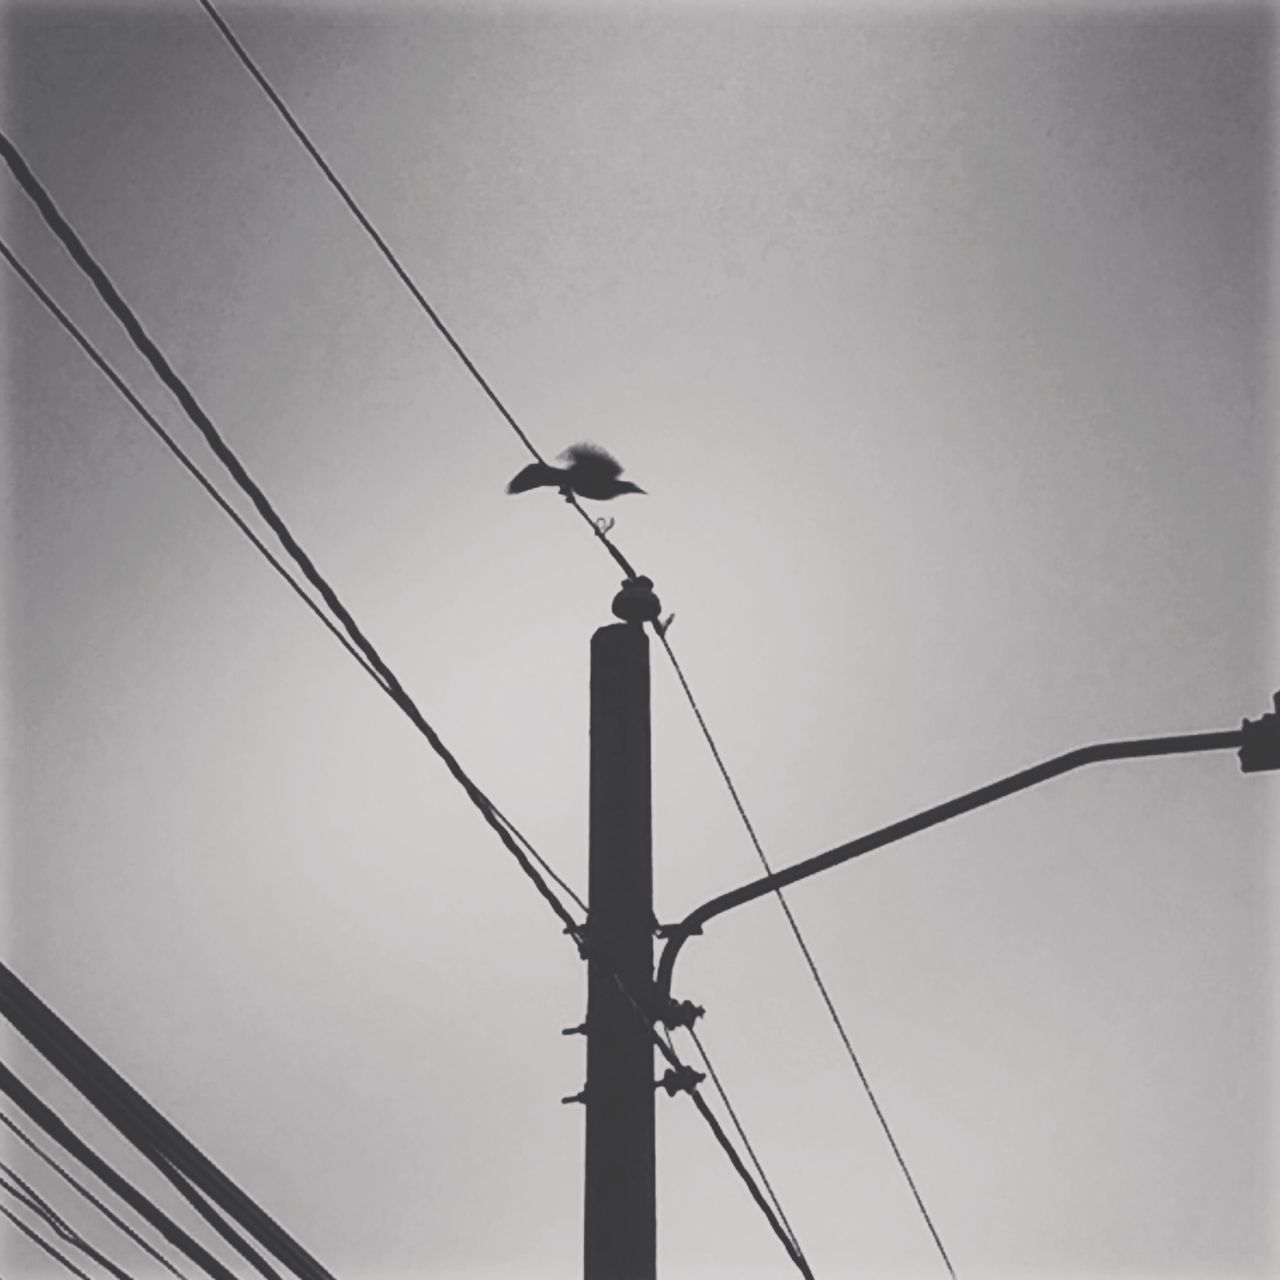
[[938, 338]]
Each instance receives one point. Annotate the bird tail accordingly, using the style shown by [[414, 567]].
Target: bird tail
[[534, 476]]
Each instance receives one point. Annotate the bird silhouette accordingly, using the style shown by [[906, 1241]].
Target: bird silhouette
[[591, 473]]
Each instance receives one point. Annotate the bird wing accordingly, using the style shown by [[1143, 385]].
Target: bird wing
[[535, 474], [592, 458]]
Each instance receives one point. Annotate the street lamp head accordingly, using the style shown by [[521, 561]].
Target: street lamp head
[[1260, 741]]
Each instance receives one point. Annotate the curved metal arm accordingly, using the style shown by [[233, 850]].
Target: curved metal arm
[[693, 922]]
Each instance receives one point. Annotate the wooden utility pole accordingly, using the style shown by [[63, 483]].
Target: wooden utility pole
[[620, 1229]]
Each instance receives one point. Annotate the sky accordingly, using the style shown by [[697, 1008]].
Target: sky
[[939, 338]]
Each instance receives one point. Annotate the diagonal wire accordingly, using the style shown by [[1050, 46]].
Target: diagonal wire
[[177, 450], [201, 1205], [48, 1120], [405, 278], [242, 477], [397, 266], [38, 1239], [809, 960], [668, 1051], [175, 1156], [23, 1192], [80, 254], [742, 1134], [234, 516], [597, 529], [88, 1195]]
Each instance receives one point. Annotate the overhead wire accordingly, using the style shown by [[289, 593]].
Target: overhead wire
[[176, 449], [742, 1133], [201, 1204], [167, 1148], [72, 1181], [434, 316], [373, 660], [41, 1114], [776, 1219], [397, 266], [233, 515], [24, 1193], [36, 1238], [809, 960], [85, 260]]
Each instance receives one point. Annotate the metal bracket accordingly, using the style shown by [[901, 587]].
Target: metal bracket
[[681, 1013], [679, 1080], [1260, 741], [581, 1096], [579, 933], [681, 929]]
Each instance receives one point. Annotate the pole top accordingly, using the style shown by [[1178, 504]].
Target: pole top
[[636, 601]]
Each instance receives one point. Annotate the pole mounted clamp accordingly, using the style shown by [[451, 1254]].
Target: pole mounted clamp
[[680, 1080], [1260, 741], [579, 1030], [579, 933], [580, 1096], [681, 929], [681, 1013]]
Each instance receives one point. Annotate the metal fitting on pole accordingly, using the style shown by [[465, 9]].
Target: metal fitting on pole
[[1260, 741], [636, 601], [680, 1080]]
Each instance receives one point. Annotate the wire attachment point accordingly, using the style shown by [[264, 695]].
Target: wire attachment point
[[636, 601], [682, 929], [680, 1080], [580, 1096], [681, 1013]]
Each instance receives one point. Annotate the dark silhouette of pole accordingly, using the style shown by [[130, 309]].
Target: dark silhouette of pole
[[620, 1220]]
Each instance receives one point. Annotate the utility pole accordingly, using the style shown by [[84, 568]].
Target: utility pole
[[620, 1218]]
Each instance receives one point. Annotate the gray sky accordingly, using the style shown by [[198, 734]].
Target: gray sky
[[939, 340]]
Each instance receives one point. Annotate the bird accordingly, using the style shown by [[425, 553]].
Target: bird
[[591, 473]]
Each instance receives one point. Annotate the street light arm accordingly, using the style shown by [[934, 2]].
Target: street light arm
[[1098, 752]]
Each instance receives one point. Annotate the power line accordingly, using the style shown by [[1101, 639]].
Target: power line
[[24, 1193], [742, 1134], [808, 957], [177, 450], [234, 516], [56, 1254], [172, 1153], [44, 1116], [667, 1049], [405, 278], [394, 262], [238, 472], [601, 533], [88, 1195], [202, 1206], [434, 316], [163, 370]]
